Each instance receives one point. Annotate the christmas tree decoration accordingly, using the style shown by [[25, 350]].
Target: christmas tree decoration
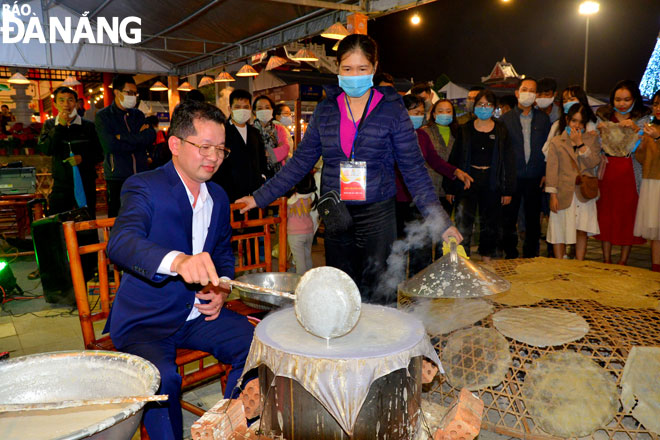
[[651, 80]]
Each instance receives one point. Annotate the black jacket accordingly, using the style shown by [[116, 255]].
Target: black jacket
[[128, 154], [535, 166], [243, 171], [80, 139], [503, 164]]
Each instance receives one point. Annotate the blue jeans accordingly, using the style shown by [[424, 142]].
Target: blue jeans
[[362, 251], [227, 338]]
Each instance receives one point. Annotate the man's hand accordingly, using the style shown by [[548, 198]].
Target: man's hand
[[506, 200], [144, 127], [73, 160], [196, 269], [452, 232], [249, 203], [542, 184], [450, 198], [463, 177], [216, 296]]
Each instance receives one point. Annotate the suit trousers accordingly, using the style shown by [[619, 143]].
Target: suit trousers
[[227, 338], [362, 251], [529, 192]]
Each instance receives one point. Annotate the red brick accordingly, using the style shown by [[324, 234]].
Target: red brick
[[251, 397], [429, 370], [463, 421], [219, 422]]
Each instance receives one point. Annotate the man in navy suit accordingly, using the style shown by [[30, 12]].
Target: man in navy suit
[[172, 238]]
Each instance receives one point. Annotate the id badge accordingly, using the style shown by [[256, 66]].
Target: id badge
[[353, 180]]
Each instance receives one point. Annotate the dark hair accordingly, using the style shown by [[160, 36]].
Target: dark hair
[[307, 185], [151, 120], [490, 97], [420, 87], [383, 77], [545, 85], [453, 126], [4, 105], [81, 99], [584, 112], [476, 89], [655, 96], [119, 81], [239, 94], [411, 101], [639, 109], [576, 91], [278, 109], [509, 100], [260, 98], [64, 89], [363, 43], [527, 78], [195, 95], [186, 112]]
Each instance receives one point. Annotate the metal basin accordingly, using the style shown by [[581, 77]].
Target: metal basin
[[75, 375], [282, 281]]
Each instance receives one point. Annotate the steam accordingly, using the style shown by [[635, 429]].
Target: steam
[[417, 235]]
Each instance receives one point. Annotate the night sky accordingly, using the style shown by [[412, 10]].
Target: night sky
[[464, 39]]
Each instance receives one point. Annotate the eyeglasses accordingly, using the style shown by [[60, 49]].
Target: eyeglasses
[[484, 105], [129, 92], [205, 150]]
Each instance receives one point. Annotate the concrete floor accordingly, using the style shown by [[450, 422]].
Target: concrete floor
[[33, 325]]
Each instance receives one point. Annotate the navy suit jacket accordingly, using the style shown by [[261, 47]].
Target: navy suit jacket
[[535, 167], [156, 218]]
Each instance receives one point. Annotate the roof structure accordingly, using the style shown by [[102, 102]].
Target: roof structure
[[180, 38], [502, 75]]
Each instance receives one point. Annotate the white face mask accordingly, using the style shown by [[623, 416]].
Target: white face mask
[[544, 102], [264, 115], [128, 101], [286, 120], [240, 116], [526, 99]]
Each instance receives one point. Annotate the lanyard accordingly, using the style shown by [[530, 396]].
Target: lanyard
[[357, 127]]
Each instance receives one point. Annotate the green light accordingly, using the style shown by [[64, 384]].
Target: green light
[[2, 265]]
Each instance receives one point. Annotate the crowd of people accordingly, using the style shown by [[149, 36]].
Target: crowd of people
[[384, 160], [541, 153]]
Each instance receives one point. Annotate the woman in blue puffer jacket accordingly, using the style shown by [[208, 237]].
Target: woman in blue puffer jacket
[[361, 131]]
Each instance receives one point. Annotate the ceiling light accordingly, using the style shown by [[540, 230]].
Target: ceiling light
[[274, 62], [247, 70], [415, 19], [184, 87], [305, 55], [17, 78], [158, 87], [589, 8], [335, 32], [71, 81], [207, 80], [224, 77], [336, 46]]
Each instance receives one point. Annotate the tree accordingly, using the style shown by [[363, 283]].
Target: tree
[[651, 80]]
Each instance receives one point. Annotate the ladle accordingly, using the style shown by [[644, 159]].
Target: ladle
[[327, 301]]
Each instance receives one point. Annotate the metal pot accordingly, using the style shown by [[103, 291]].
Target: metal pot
[[75, 375], [282, 281]]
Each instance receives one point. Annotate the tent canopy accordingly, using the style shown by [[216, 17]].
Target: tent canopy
[[454, 91], [183, 38]]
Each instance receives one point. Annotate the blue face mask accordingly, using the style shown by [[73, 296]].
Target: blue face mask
[[443, 119], [568, 105], [417, 121], [626, 112], [568, 130], [483, 113], [356, 86]]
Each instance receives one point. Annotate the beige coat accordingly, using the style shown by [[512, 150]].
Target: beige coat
[[560, 174], [648, 154]]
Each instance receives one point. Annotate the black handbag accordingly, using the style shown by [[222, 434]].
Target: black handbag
[[334, 213]]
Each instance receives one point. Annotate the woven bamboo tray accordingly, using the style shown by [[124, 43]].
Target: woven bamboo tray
[[613, 332]]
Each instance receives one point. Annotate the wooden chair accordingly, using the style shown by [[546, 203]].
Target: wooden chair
[[106, 290], [249, 231]]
